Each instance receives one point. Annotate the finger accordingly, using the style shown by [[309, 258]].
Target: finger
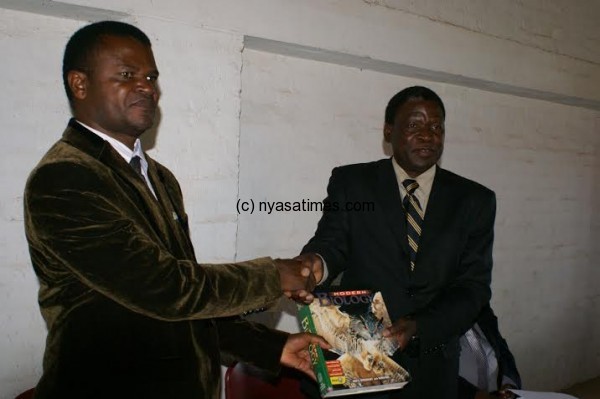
[[318, 340], [301, 294], [306, 271], [311, 282], [317, 269]]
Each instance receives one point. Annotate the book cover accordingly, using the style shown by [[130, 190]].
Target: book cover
[[360, 359]]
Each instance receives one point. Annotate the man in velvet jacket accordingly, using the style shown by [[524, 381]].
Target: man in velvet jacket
[[129, 311], [433, 304]]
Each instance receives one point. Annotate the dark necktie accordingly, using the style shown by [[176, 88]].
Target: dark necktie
[[136, 165], [414, 219]]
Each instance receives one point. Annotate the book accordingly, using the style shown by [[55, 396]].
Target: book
[[360, 358]]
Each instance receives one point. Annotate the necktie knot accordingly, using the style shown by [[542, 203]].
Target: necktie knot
[[136, 164], [410, 185]]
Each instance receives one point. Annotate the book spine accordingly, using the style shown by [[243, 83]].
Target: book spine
[[316, 353]]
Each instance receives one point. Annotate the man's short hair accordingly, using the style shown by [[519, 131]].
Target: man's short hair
[[82, 45], [409, 93]]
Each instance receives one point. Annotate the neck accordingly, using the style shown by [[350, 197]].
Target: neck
[[127, 139]]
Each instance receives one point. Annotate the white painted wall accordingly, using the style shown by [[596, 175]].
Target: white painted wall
[[32, 114], [273, 126]]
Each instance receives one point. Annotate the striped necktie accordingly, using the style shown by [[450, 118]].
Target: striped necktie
[[414, 219], [136, 165]]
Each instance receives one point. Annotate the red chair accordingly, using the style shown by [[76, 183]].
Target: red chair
[[27, 394], [243, 381]]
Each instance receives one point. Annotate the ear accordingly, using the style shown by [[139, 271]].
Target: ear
[[78, 84], [387, 132]]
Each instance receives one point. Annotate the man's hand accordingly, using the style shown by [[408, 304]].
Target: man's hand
[[314, 262], [402, 330], [504, 392], [295, 352], [297, 279]]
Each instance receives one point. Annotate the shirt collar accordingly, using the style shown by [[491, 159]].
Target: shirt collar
[[121, 148], [425, 179]]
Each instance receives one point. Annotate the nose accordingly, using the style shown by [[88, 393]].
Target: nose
[[146, 86], [426, 134]]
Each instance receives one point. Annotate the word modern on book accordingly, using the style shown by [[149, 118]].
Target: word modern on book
[[344, 297]]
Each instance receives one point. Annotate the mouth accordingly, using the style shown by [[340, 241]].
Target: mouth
[[144, 103], [425, 151]]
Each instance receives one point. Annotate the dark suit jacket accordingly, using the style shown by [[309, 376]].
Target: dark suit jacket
[[129, 311], [451, 281], [488, 322]]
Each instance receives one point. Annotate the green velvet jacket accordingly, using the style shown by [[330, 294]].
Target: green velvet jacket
[[129, 311]]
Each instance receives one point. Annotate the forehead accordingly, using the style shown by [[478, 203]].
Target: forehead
[[122, 50], [418, 106]]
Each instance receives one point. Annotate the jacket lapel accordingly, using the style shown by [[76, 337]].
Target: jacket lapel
[[391, 203], [436, 214], [91, 144], [173, 211]]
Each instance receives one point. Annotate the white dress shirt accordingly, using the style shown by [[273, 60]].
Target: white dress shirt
[[468, 362]]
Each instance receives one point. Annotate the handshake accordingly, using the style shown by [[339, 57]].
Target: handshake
[[299, 276]]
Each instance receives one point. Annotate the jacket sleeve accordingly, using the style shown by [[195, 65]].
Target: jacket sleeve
[[250, 342], [83, 232], [466, 390], [331, 239], [488, 322], [508, 366]]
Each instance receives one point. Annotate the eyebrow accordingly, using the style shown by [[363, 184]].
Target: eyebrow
[[126, 65], [421, 113]]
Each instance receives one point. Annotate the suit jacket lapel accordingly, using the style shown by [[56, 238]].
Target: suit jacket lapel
[[391, 202], [173, 213], [437, 211], [93, 145]]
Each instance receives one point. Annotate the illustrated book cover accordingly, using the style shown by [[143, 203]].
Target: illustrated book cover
[[360, 358]]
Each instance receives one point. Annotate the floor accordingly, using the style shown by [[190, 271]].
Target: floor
[[586, 390]]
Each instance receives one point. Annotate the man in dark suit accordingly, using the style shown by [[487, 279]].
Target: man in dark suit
[[434, 283], [130, 313], [487, 366]]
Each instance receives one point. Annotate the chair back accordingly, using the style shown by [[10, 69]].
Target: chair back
[[243, 381]]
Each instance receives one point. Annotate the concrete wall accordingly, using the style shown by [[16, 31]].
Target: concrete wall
[[262, 98]]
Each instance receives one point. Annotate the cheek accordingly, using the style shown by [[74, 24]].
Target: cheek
[[399, 141], [407, 145]]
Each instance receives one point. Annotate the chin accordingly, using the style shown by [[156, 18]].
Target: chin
[[142, 126]]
